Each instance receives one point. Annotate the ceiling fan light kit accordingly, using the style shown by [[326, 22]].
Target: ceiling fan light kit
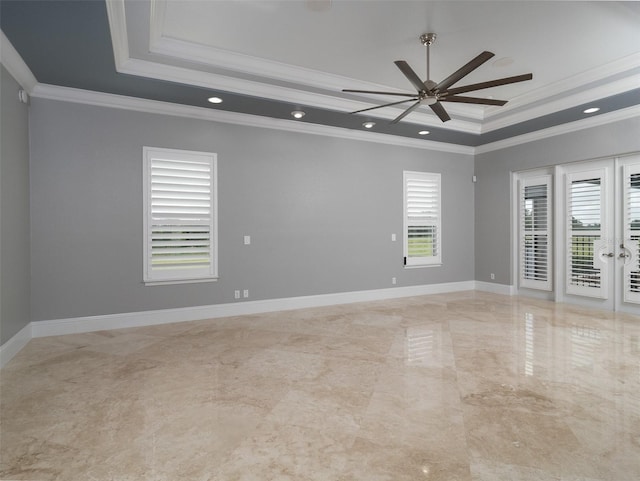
[[432, 94]]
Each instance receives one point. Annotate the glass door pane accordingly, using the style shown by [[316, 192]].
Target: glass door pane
[[587, 255]]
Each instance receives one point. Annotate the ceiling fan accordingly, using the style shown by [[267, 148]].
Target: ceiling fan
[[431, 93]]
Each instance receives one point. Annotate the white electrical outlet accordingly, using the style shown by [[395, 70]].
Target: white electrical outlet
[[247, 240], [245, 294], [236, 294], [493, 276], [393, 237], [393, 280]]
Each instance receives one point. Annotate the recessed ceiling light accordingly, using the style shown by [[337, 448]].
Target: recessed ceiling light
[[423, 132], [368, 125], [591, 110], [215, 100], [298, 114]]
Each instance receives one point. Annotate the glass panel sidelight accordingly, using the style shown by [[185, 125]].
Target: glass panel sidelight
[[535, 232]]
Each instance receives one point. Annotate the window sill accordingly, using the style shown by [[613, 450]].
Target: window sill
[[422, 266], [179, 281]]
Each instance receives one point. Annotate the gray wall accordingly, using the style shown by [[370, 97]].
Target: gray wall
[[320, 211], [492, 194], [14, 210]]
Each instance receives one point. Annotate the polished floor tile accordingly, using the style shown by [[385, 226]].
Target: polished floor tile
[[463, 386]]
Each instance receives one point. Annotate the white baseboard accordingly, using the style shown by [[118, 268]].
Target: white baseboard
[[75, 325], [14, 345], [494, 288]]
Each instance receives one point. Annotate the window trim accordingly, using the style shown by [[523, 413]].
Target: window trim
[[179, 277], [426, 261]]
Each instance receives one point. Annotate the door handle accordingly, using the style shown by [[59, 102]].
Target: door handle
[[623, 255], [609, 254]]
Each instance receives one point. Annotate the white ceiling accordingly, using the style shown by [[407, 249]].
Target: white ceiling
[[308, 50]]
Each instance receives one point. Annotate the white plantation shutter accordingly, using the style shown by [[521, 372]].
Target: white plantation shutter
[[180, 237], [585, 223], [631, 236], [535, 232], [422, 219]]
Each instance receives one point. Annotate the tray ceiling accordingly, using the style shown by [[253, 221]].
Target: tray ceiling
[[268, 58]]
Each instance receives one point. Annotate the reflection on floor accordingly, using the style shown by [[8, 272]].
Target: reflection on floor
[[461, 386]]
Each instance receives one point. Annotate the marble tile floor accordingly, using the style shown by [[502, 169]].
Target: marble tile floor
[[452, 387]]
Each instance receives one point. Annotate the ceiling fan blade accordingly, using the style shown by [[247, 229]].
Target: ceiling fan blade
[[464, 71], [379, 93], [405, 113], [472, 100], [439, 110], [490, 83], [384, 105], [410, 74]]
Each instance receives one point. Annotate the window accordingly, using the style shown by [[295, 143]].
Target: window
[[535, 232], [180, 216], [422, 213]]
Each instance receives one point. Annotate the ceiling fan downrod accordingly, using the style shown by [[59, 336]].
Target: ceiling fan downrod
[[427, 39]]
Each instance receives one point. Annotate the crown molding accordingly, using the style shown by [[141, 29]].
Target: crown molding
[[67, 94], [118, 26], [258, 67], [582, 79], [598, 120], [567, 102], [157, 12], [14, 64]]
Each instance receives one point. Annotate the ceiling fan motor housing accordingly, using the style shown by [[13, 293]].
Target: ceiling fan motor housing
[[427, 39]]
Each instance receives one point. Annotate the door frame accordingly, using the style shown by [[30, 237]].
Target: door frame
[[607, 234], [621, 162], [616, 298], [516, 177]]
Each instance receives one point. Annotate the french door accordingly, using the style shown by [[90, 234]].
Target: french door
[[598, 233]]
